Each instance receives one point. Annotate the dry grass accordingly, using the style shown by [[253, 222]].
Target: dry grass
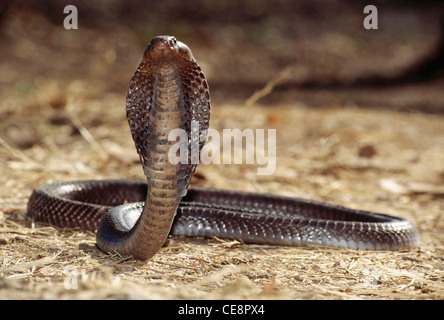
[[46, 262]]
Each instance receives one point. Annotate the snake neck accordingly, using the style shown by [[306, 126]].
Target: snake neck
[[165, 114], [154, 109]]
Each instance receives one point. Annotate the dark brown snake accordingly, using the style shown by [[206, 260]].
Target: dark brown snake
[[169, 91]]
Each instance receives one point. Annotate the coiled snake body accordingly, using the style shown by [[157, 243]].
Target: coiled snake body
[[169, 91]]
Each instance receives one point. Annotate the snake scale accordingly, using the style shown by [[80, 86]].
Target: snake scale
[[169, 91]]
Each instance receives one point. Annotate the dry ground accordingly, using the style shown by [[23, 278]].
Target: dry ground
[[318, 159], [54, 128]]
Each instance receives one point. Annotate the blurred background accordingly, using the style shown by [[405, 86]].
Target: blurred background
[[315, 52]]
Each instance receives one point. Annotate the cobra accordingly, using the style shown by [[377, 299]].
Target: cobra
[[169, 91]]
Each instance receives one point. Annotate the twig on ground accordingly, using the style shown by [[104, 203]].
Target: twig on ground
[[281, 77]]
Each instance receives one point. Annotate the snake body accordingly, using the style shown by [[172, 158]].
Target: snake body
[[169, 91]]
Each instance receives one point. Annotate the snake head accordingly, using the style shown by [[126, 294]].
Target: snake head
[[166, 48]]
